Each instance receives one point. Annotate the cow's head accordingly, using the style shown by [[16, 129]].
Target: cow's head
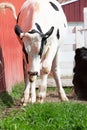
[[34, 42]]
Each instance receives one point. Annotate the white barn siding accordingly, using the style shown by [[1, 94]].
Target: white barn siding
[[67, 51]]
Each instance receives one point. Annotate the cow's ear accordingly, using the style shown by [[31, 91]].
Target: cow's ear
[[48, 34], [17, 30], [38, 27]]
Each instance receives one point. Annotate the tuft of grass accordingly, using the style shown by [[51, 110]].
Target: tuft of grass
[[7, 99], [17, 91], [68, 90]]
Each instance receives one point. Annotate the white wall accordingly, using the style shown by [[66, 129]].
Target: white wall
[[67, 51]]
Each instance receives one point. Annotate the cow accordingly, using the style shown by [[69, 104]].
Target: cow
[[41, 28]]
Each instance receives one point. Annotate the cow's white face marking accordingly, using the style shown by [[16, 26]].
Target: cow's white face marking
[[32, 44]]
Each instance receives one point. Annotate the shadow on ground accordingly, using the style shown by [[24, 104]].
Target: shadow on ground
[[6, 99]]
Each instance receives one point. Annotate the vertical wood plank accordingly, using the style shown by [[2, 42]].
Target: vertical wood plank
[[85, 26], [79, 37], [11, 48]]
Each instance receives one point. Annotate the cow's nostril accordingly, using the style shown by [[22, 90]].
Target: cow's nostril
[[31, 79]]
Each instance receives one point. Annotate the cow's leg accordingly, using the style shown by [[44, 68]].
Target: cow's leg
[[42, 88], [33, 90], [46, 67], [30, 92], [25, 98], [56, 75]]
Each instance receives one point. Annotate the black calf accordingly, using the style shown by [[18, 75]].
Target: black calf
[[80, 73]]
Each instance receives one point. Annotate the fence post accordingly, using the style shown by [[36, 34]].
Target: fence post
[[79, 37], [85, 26]]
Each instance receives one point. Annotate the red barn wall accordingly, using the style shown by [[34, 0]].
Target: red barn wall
[[74, 11], [11, 70]]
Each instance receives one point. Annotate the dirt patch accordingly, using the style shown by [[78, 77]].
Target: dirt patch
[[54, 97]]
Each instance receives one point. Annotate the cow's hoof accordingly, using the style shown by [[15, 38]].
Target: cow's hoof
[[22, 100], [40, 99], [64, 99], [24, 104]]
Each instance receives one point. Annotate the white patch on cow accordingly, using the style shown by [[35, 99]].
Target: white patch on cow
[[42, 89], [27, 45], [33, 92], [26, 97], [32, 43]]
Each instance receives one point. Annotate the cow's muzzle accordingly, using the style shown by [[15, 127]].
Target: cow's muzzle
[[32, 76]]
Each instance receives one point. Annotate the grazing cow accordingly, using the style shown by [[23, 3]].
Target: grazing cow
[[41, 29], [80, 73]]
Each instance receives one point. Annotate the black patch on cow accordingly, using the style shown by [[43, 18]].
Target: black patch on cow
[[26, 55], [17, 30], [54, 6], [49, 33], [44, 40], [33, 31], [39, 30], [58, 34], [38, 27]]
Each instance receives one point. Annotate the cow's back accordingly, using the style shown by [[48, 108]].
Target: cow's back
[[47, 13]]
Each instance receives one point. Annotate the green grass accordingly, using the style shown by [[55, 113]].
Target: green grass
[[46, 116], [54, 89], [17, 91], [7, 99]]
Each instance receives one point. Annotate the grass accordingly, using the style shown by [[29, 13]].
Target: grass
[[54, 89], [47, 116]]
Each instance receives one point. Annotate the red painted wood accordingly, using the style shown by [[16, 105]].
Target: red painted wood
[[11, 49], [74, 11]]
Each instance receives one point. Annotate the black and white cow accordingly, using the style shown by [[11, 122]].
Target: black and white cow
[[41, 29]]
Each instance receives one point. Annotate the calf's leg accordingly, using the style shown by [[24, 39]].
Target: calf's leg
[[32, 98], [56, 75], [42, 88], [25, 98]]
